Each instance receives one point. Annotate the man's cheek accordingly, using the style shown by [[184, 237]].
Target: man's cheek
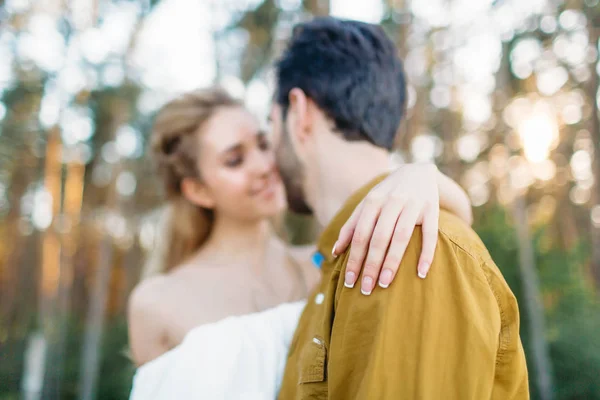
[[275, 130], [278, 158]]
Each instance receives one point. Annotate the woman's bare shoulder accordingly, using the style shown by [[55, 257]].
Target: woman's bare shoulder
[[149, 294], [148, 335], [163, 289]]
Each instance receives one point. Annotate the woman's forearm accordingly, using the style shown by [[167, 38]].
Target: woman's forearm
[[454, 199]]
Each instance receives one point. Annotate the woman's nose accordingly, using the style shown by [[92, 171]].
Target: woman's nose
[[263, 163]]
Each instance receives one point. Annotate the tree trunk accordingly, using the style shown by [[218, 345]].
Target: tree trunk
[[528, 271], [48, 312], [592, 90], [90, 360], [533, 301]]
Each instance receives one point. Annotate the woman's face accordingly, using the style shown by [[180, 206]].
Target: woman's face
[[237, 167]]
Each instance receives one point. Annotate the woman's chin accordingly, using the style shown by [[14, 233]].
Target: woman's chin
[[275, 208], [272, 204]]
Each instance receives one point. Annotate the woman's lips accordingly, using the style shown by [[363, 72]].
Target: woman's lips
[[266, 190]]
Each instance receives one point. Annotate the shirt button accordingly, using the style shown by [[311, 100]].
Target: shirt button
[[319, 298], [317, 341]]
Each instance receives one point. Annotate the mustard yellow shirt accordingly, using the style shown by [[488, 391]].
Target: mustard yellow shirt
[[452, 336]]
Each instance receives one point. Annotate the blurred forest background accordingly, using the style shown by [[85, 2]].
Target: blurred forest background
[[503, 97]]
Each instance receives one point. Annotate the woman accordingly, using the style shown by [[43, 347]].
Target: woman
[[222, 256]]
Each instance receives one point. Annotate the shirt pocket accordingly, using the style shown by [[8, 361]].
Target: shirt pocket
[[313, 361]]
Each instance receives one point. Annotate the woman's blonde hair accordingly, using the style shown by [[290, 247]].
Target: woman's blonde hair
[[174, 147]]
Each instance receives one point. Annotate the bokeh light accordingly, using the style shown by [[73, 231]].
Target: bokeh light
[[115, 225], [538, 132], [579, 195], [147, 234], [42, 43], [548, 24], [468, 147], [595, 215], [581, 165], [544, 170], [41, 215], [233, 85], [426, 147], [520, 173], [165, 36], [76, 125], [362, 10], [440, 96], [110, 154], [126, 183], [550, 81], [479, 194], [128, 142]]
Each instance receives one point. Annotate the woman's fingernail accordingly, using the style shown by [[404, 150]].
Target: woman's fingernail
[[333, 250], [350, 279], [386, 278], [423, 269], [367, 285]]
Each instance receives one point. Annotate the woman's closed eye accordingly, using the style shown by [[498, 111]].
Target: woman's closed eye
[[235, 159]]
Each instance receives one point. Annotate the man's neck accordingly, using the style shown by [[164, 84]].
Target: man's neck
[[338, 177]]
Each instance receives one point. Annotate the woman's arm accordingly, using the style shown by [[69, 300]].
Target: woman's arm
[[382, 224], [147, 336], [454, 199]]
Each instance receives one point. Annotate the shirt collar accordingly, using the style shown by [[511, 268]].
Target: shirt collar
[[331, 232]]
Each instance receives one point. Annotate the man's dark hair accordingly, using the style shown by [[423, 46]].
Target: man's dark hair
[[350, 69]]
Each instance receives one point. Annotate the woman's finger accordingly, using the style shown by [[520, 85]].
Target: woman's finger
[[430, 237], [361, 237], [380, 242], [402, 235], [347, 231]]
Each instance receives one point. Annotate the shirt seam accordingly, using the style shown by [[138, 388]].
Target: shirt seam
[[504, 336]]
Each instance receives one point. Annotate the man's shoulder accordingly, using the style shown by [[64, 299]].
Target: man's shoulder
[[457, 237], [454, 230], [462, 281]]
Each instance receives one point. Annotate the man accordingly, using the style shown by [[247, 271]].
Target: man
[[340, 98]]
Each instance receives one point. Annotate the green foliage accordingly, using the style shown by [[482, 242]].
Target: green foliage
[[115, 375], [572, 309], [117, 370], [11, 366]]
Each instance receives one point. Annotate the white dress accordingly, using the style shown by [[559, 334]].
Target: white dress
[[236, 358]]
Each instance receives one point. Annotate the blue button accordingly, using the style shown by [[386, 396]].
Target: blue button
[[318, 259]]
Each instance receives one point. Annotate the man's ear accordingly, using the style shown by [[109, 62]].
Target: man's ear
[[300, 116], [197, 193]]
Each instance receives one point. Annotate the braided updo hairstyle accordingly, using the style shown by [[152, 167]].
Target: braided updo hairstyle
[[174, 147]]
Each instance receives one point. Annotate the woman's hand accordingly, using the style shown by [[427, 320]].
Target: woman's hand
[[382, 224]]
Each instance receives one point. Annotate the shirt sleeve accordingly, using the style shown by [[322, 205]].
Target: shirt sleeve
[[454, 335]]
